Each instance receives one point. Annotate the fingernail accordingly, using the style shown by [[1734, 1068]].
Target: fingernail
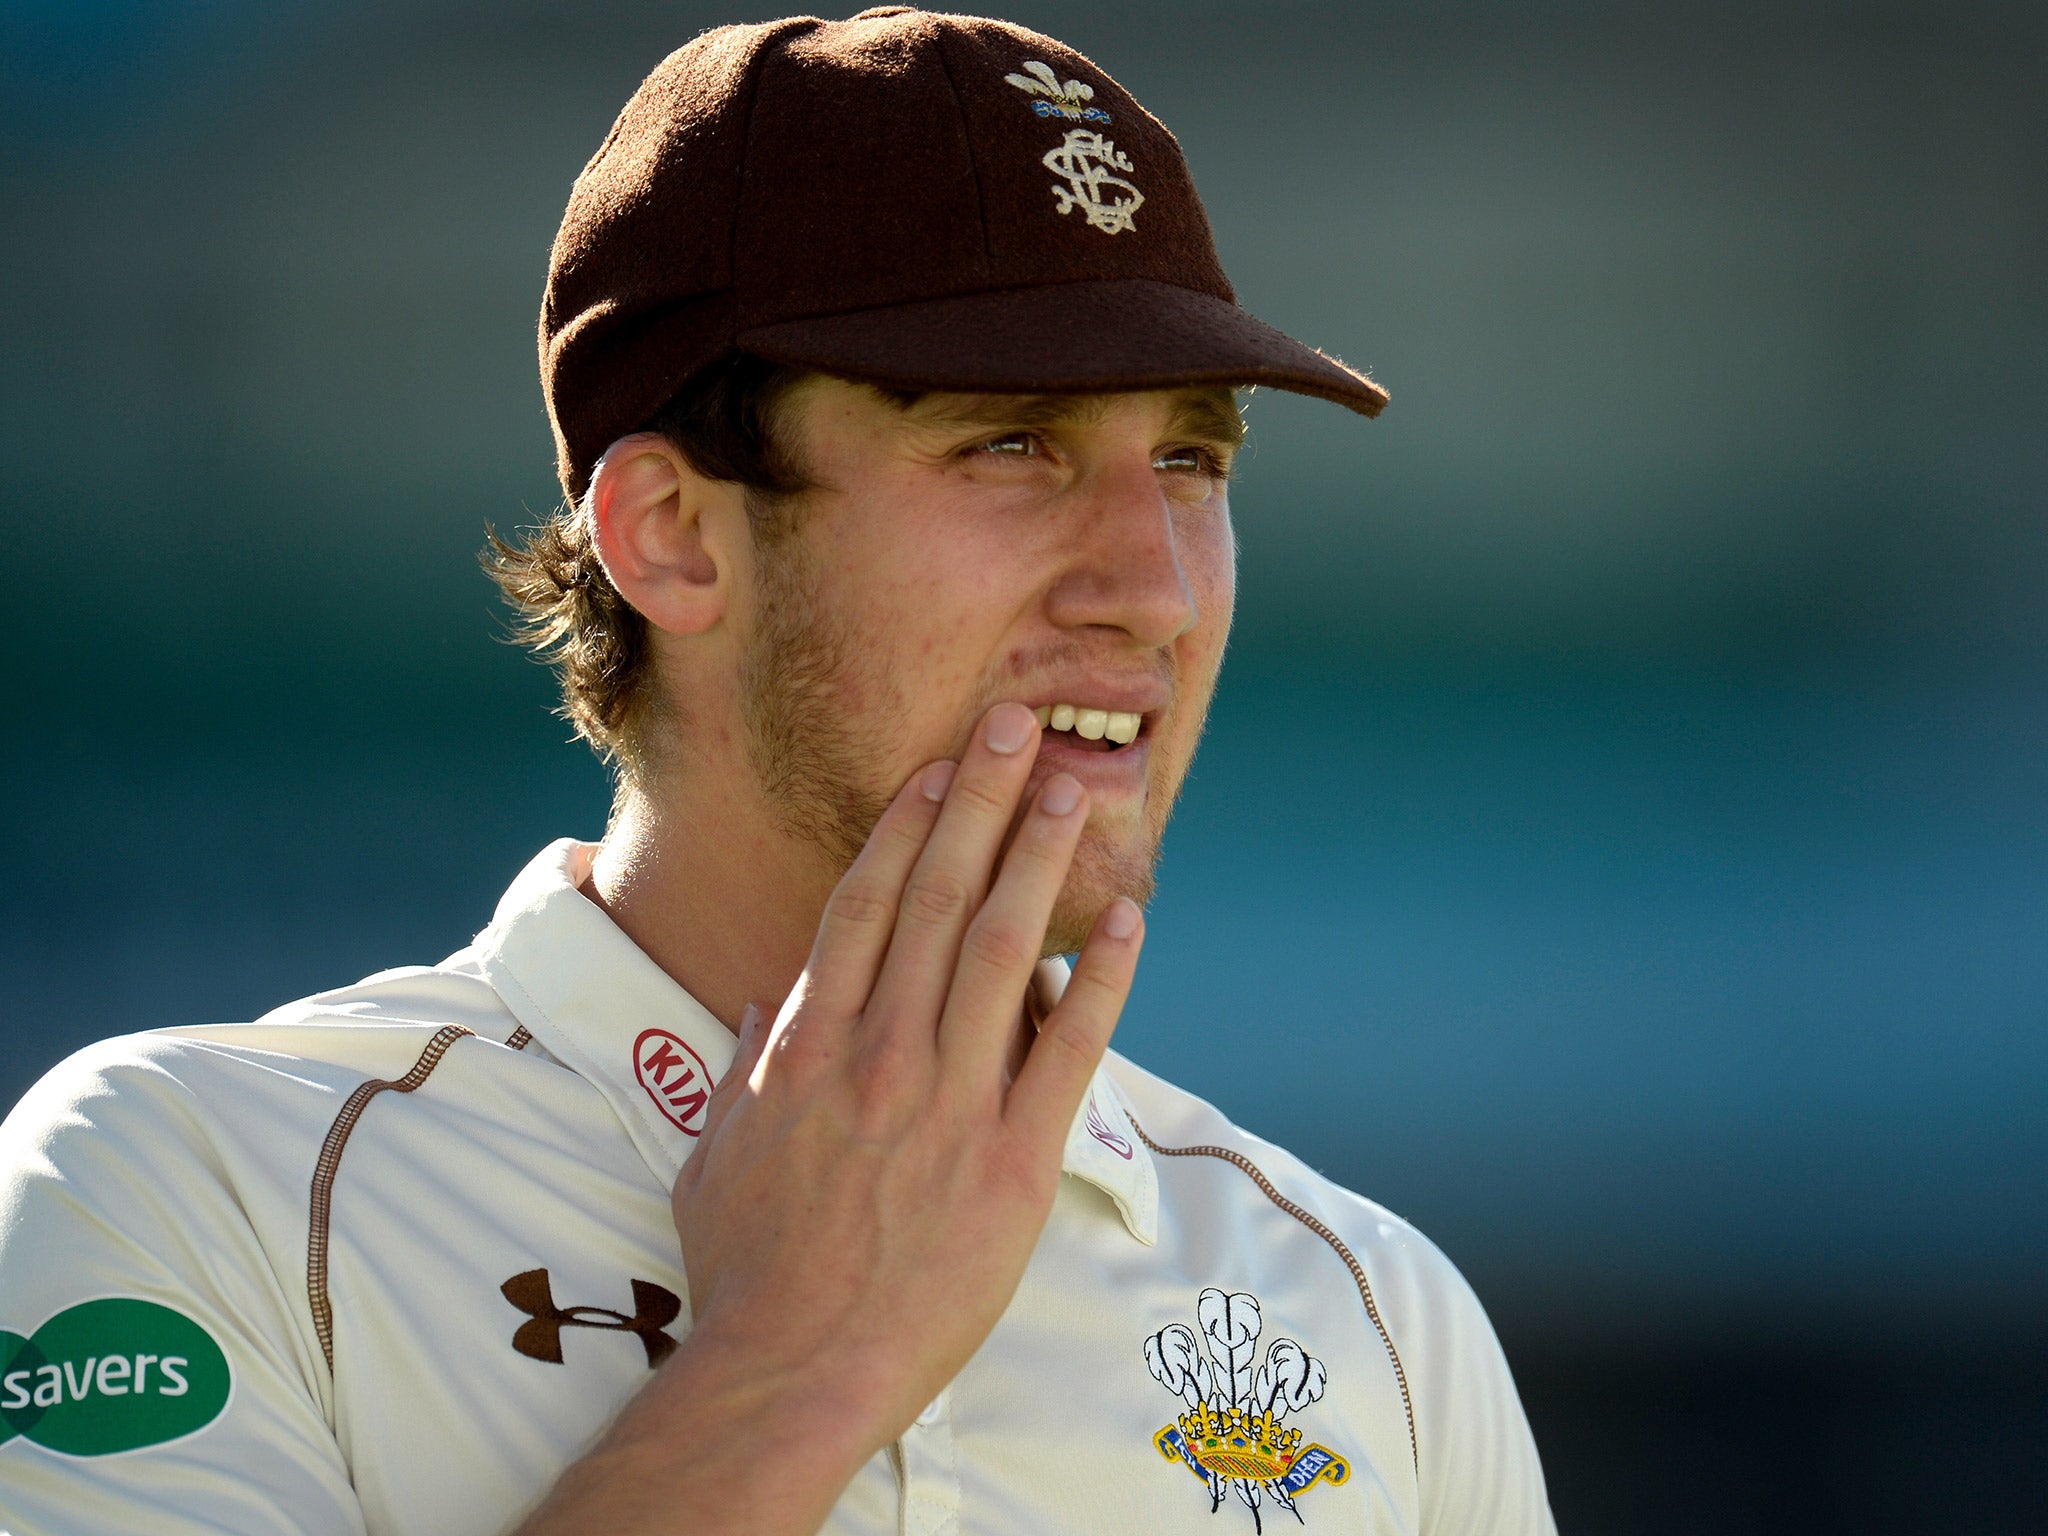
[[1009, 727], [936, 780], [1060, 795], [749, 1017], [1122, 920]]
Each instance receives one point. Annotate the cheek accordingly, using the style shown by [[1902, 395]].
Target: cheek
[[925, 615], [1209, 561]]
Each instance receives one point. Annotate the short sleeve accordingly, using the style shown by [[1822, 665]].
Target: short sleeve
[[156, 1368], [1477, 1464]]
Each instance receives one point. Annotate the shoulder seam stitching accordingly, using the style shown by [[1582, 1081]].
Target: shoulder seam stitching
[[329, 1163], [1372, 1310]]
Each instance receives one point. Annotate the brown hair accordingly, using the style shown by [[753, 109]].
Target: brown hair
[[566, 610]]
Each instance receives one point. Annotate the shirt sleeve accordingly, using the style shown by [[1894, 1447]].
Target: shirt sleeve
[[1477, 1465], [157, 1371]]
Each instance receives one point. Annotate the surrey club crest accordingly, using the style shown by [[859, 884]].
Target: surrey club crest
[[1231, 1437], [1085, 161]]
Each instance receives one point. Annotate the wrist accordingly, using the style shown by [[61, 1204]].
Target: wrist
[[671, 1449], [777, 1389]]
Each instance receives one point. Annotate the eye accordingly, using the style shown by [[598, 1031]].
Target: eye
[[1011, 445], [1192, 461]]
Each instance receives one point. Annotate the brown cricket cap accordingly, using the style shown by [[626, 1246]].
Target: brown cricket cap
[[922, 201]]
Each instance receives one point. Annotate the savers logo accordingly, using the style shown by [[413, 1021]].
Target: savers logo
[[111, 1375]]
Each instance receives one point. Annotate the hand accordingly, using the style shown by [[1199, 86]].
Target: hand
[[870, 1182]]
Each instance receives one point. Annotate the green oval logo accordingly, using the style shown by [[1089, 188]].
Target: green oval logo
[[110, 1375]]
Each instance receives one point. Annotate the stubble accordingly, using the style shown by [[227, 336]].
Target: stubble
[[818, 704]]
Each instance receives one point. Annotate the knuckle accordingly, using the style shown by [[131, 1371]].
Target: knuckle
[[882, 1078], [891, 1080], [1022, 1176], [861, 906], [979, 792], [1071, 1049], [936, 896], [999, 947], [905, 834]]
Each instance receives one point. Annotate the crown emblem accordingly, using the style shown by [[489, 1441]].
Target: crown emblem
[[1067, 99], [1231, 1436], [1234, 1443]]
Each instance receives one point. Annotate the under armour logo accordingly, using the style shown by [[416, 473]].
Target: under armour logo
[[540, 1336]]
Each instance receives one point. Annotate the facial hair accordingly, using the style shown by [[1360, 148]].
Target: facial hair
[[816, 756], [818, 706]]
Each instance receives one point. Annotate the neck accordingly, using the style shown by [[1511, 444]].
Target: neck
[[718, 896], [715, 893]]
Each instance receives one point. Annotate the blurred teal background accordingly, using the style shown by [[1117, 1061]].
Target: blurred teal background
[[1622, 842]]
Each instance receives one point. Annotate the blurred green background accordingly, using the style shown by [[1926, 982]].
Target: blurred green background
[[1622, 843]]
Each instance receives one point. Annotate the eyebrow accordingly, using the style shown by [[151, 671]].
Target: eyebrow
[[1209, 415], [1206, 413]]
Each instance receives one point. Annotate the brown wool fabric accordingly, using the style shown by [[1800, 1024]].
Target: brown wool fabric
[[881, 199]]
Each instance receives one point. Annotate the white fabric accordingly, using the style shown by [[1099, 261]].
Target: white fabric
[[176, 1167]]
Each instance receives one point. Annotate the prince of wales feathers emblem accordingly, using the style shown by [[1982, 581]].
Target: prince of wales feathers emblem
[[1231, 1436], [1068, 100]]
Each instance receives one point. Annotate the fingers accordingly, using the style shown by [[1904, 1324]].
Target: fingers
[[946, 887], [861, 916], [755, 1026], [1002, 944], [1070, 1043]]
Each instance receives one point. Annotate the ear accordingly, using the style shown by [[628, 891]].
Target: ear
[[666, 535]]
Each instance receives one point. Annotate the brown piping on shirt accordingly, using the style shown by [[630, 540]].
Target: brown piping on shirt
[[520, 1038], [330, 1163], [1372, 1309]]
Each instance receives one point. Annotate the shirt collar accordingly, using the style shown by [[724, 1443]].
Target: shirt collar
[[610, 1014], [1103, 1145]]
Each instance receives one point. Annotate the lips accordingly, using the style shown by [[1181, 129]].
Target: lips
[[1106, 770]]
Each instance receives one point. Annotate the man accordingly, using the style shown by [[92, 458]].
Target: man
[[754, 1171]]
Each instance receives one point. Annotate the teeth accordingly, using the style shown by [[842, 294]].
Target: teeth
[[1091, 724]]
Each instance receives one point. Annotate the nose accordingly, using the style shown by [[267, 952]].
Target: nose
[[1126, 570]]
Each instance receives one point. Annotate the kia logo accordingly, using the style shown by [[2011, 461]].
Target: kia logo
[[674, 1076]]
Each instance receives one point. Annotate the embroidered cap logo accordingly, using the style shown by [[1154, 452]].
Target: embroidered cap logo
[[1085, 160], [1069, 100], [540, 1337]]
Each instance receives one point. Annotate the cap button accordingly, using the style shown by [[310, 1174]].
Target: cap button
[[876, 12]]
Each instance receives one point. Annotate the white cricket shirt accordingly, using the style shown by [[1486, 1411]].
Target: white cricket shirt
[[390, 1258]]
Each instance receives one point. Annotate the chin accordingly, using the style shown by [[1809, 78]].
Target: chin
[[1100, 873]]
